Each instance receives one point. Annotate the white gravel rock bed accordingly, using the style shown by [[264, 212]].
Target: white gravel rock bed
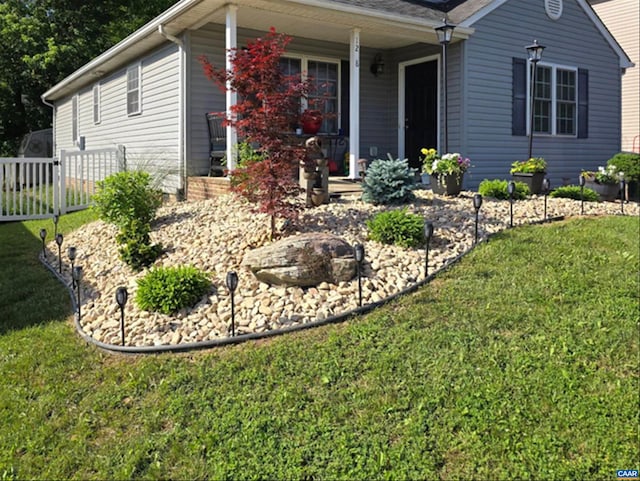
[[213, 235]]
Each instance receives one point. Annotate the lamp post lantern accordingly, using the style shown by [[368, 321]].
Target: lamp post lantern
[[534, 51], [358, 253], [428, 234], [232, 285], [444, 33], [121, 298], [477, 203]]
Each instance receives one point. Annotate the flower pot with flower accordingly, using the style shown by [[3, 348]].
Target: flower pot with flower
[[531, 172], [604, 181], [447, 171], [311, 121]]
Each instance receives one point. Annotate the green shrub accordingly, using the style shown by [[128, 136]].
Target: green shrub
[[397, 227], [627, 163], [498, 189], [573, 192], [169, 289], [135, 246], [388, 182], [127, 196]]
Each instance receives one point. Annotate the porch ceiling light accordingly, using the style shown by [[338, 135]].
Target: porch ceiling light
[[445, 32], [535, 51]]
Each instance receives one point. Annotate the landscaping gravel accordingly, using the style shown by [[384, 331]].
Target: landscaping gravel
[[213, 235]]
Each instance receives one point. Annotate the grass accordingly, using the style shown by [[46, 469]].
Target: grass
[[519, 363]]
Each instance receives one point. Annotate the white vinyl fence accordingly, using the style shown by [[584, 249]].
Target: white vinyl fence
[[38, 188]]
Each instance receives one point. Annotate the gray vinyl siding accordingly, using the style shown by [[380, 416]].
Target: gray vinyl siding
[[378, 103], [151, 137], [571, 41]]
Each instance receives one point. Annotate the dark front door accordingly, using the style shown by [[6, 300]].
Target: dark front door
[[421, 110]]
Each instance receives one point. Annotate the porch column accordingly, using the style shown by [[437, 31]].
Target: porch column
[[231, 42], [354, 103]]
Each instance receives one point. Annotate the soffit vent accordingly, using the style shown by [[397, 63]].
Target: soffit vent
[[553, 8]]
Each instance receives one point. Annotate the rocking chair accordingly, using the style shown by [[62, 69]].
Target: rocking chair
[[217, 144]]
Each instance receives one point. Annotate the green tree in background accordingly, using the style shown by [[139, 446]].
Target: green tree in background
[[43, 41]]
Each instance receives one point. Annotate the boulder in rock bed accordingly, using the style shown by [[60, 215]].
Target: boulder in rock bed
[[303, 260]]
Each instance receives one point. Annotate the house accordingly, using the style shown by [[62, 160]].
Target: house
[[384, 65], [622, 18]]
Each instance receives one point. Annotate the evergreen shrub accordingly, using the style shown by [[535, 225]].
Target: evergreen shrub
[[573, 192], [389, 182]]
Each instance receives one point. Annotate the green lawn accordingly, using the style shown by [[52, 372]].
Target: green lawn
[[519, 363]]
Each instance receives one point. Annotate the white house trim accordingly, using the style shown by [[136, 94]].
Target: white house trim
[[354, 103], [231, 42]]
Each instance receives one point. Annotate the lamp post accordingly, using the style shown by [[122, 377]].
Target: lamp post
[[546, 186], [59, 240], [581, 181], [534, 51], [358, 253], [477, 203], [428, 234], [71, 252], [622, 189], [444, 33], [43, 236], [121, 298], [77, 277], [511, 189], [232, 285]]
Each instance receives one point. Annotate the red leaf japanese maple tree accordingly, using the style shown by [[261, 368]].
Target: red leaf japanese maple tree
[[268, 107]]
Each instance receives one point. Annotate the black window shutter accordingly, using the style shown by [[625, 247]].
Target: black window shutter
[[344, 100], [583, 103], [519, 106]]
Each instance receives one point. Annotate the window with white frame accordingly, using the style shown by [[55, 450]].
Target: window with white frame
[[325, 79], [96, 104], [556, 100], [134, 97], [74, 118]]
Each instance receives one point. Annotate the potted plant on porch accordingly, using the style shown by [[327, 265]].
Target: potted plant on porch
[[446, 171], [531, 172], [604, 181]]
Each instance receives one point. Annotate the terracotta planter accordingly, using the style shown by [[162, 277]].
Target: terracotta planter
[[533, 180], [446, 184], [605, 191]]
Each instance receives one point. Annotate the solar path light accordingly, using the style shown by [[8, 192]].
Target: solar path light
[[511, 189], [581, 181], [77, 277], [477, 203], [71, 252], [43, 236], [622, 189], [428, 234], [121, 298], [232, 285], [546, 186], [358, 253], [59, 240]]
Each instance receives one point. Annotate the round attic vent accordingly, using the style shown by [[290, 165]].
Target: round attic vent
[[553, 8]]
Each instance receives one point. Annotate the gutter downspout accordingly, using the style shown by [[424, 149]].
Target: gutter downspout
[[181, 106], [53, 125]]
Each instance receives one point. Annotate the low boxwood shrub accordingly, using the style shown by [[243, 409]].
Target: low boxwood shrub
[[573, 192], [388, 182], [498, 189], [397, 227], [169, 289]]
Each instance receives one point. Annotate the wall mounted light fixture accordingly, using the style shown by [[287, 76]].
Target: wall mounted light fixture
[[377, 67]]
